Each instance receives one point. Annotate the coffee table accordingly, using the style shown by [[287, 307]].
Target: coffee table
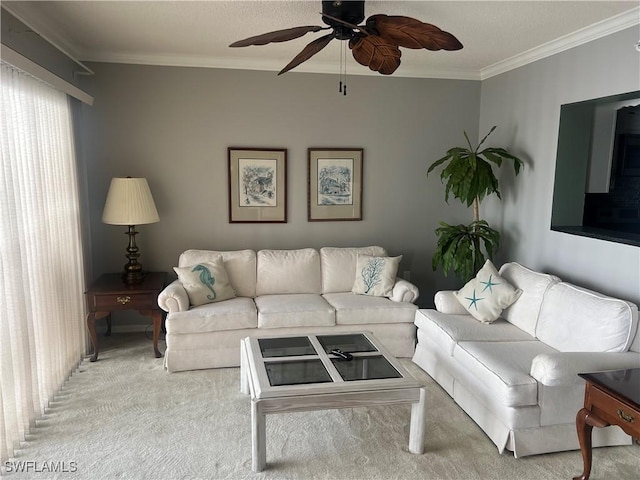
[[299, 373]]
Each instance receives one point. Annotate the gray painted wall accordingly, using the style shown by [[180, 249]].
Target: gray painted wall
[[526, 104], [173, 125]]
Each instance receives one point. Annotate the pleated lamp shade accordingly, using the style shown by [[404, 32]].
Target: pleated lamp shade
[[129, 202]]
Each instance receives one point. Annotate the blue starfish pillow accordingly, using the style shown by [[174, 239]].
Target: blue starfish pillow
[[486, 295], [206, 282]]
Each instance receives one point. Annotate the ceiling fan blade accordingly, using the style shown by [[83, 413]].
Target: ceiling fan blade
[[412, 33], [375, 52], [308, 52], [278, 36]]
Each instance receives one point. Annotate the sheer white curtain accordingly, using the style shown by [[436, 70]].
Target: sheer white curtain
[[42, 307]]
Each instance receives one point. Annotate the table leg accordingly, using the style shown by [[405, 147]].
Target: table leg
[[585, 421], [91, 326], [244, 365], [258, 437], [418, 424]]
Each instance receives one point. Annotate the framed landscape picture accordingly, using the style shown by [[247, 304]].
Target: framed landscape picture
[[335, 184], [257, 185]]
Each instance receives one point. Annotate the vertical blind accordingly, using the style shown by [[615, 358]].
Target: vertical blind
[[42, 308]]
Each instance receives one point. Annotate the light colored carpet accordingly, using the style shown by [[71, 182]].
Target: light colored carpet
[[124, 417]]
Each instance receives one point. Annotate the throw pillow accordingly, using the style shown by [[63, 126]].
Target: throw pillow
[[486, 295], [375, 275], [206, 282]]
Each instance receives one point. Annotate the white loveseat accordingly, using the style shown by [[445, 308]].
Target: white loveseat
[[282, 292], [517, 378]]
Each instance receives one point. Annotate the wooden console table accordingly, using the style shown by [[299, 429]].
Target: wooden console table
[[611, 398], [109, 293]]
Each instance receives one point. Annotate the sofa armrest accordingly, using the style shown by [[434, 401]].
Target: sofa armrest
[[404, 291], [446, 302], [174, 298], [562, 368]]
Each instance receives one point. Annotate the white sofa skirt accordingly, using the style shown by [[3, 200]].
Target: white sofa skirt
[[201, 350]]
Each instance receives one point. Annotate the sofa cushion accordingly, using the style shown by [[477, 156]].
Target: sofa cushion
[[364, 309], [239, 264], [574, 319], [375, 275], [503, 367], [523, 313], [446, 329], [486, 295], [288, 271], [338, 266], [234, 314], [294, 310], [206, 282]]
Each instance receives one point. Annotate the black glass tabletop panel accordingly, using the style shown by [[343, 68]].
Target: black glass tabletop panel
[[365, 368], [285, 347], [350, 343], [296, 372]]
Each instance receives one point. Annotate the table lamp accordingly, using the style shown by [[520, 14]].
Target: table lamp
[[129, 202]]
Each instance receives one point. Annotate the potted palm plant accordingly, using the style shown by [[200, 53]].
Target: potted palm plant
[[468, 176]]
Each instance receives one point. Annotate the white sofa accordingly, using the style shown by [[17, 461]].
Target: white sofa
[[282, 292], [517, 378]]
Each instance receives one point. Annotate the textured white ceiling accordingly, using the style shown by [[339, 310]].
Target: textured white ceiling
[[192, 33]]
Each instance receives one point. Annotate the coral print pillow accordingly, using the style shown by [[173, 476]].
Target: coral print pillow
[[487, 294], [375, 275], [206, 282]]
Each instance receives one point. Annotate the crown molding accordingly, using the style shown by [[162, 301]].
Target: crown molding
[[195, 61], [601, 29]]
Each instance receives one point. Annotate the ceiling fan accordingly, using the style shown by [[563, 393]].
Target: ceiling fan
[[374, 44]]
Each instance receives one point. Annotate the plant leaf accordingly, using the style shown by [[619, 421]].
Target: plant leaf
[[469, 174], [485, 137], [462, 249], [501, 153], [489, 155], [439, 162]]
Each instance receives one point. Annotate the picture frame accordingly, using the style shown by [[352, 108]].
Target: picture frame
[[257, 185], [335, 184]]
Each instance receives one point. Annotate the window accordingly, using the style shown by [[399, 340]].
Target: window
[[42, 336]]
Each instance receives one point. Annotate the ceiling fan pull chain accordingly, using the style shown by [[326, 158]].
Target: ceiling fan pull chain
[[345, 69], [340, 71], [343, 59]]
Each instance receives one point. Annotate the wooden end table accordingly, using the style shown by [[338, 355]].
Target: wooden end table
[[611, 398], [109, 293]]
